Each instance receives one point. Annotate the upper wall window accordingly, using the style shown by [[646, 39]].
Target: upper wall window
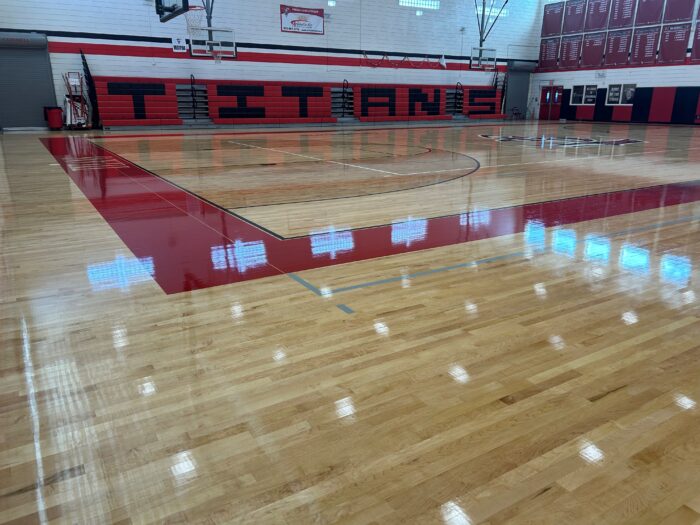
[[421, 4]]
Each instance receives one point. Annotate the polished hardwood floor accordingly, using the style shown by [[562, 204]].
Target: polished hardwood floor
[[545, 372]]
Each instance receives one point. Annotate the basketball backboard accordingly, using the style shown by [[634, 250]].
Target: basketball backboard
[[212, 42], [169, 9]]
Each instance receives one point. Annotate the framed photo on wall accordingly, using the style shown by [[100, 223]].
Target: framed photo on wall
[[628, 93], [590, 95], [614, 94]]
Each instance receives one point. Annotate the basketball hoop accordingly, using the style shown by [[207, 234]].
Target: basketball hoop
[[205, 41], [195, 17]]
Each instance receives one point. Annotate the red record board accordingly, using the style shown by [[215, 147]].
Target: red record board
[[549, 51], [593, 50], [597, 15], [551, 22], [695, 57], [649, 12], [617, 47], [644, 44], [679, 10], [674, 43], [574, 16], [621, 13], [570, 51]]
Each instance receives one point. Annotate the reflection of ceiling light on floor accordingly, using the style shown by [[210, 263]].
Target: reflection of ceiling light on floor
[[540, 290], [459, 374], [345, 408], [279, 355], [453, 514], [120, 337], [688, 297], [557, 342], [381, 328], [147, 388], [326, 292], [236, 311], [471, 308], [184, 466], [591, 453], [405, 281], [684, 402], [630, 318]]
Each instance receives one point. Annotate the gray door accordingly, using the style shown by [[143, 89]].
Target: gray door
[[517, 91], [26, 83]]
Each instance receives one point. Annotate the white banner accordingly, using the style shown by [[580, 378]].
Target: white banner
[[301, 20], [179, 45]]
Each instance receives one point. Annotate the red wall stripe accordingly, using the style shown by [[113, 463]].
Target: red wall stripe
[[251, 56]]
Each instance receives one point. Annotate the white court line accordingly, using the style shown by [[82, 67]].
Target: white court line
[[454, 169], [316, 158], [34, 419]]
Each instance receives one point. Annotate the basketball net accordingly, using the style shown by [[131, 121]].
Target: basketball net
[[195, 20]]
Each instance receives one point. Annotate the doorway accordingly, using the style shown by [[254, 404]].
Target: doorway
[[550, 102], [26, 83]]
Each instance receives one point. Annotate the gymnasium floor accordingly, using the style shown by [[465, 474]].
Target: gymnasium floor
[[458, 325]]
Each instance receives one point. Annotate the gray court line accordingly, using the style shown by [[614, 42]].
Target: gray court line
[[502, 257], [429, 272], [306, 284]]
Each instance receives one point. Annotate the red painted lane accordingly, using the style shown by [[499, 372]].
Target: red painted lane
[[162, 227], [194, 244]]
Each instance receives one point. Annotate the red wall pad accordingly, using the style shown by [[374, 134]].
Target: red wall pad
[[410, 102], [585, 112], [232, 102], [482, 102], [142, 101], [622, 113], [662, 104], [137, 101]]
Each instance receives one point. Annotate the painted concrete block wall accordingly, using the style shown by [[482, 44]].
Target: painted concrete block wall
[[108, 32]]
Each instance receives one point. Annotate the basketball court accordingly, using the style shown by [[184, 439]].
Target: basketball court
[[473, 320]]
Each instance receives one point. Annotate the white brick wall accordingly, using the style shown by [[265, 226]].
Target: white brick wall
[[368, 25]]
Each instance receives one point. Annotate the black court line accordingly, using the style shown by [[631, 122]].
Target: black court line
[[248, 221], [473, 170], [282, 237]]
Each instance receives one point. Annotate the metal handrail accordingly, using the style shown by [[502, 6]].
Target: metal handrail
[[459, 92], [346, 86], [193, 95]]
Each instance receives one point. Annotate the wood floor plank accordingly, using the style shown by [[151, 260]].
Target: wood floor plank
[[512, 379]]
